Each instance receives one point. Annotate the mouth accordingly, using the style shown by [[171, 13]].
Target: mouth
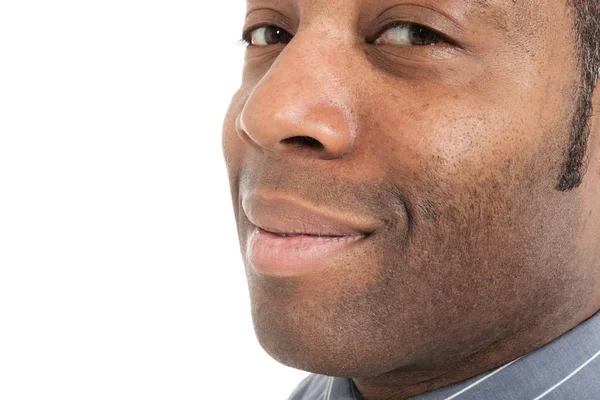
[[297, 234], [283, 254], [291, 239], [304, 234], [308, 235]]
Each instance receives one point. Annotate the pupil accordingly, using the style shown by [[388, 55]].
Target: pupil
[[424, 36], [276, 35]]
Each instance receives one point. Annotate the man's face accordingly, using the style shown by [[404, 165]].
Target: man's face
[[434, 152]]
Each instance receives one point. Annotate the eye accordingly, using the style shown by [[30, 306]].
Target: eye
[[266, 36], [408, 34]]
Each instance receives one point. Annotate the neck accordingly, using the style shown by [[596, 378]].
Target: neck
[[406, 382]]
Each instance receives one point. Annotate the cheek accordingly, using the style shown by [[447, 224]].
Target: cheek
[[463, 141], [481, 178], [232, 145]]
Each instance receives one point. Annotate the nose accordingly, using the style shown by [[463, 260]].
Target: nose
[[301, 104]]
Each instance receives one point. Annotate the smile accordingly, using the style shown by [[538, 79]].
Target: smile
[[295, 254], [289, 238]]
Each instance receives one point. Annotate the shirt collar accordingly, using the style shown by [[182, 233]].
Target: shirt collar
[[566, 368]]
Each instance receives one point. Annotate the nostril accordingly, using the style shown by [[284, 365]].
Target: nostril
[[302, 141]]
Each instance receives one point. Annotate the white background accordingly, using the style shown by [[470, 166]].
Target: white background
[[120, 271]]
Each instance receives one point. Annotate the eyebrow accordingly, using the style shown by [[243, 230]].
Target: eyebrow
[[489, 10], [494, 13]]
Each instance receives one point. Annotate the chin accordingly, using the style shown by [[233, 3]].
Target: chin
[[325, 350], [324, 362]]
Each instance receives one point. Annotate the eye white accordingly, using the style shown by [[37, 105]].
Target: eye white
[[398, 35], [257, 37], [408, 34]]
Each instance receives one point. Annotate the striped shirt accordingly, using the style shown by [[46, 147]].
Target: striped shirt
[[567, 368]]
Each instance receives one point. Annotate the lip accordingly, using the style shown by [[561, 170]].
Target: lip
[[274, 255], [314, 237], [283, 215]]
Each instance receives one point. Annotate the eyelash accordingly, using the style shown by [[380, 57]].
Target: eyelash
[[246, 35], [397, 24], [246, 39]]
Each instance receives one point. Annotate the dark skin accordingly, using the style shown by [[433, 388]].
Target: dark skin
[[453, 150]]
